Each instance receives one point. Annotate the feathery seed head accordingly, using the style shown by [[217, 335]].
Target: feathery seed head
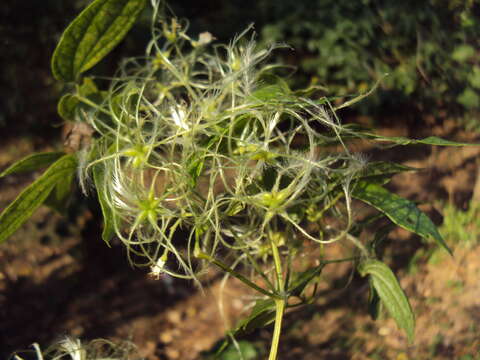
[[193, 146]]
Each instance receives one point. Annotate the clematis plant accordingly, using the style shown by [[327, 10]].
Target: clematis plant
[[201, 156]]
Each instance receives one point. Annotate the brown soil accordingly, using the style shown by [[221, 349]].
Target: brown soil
[[58, 278]]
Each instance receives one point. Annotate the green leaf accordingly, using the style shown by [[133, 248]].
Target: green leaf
[[108, 216], [247, 352], [377, 168], [34, 195], [59, 196], [194, 168], [275, 89], [66, 107], [263, 313], [267, 93], [88, 87], [378, 172], [32, 162], [401, 211], [92, 35], [374, 304], [431, 140], [69, 105], [388, 289], [224, 349]]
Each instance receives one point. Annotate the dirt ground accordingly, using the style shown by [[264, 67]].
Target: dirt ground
[[57, 277]]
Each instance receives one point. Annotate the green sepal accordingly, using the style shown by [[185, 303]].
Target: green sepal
[[92, 35], [401, 211], [32, 162], [34, 195], [391, 294]]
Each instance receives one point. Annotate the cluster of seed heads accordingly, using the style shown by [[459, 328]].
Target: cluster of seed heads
[[204, 150]]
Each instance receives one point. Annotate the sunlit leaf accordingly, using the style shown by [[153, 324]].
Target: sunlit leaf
[[92, 35], [401, 211], [389, 291], [32, 162], [34, 195]]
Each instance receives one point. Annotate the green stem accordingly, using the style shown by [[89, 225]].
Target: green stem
[[279, 310], [279, 303], [278, 266]]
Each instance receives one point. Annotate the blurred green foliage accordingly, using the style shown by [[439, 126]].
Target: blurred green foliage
[[461, 227], [429, 48]]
